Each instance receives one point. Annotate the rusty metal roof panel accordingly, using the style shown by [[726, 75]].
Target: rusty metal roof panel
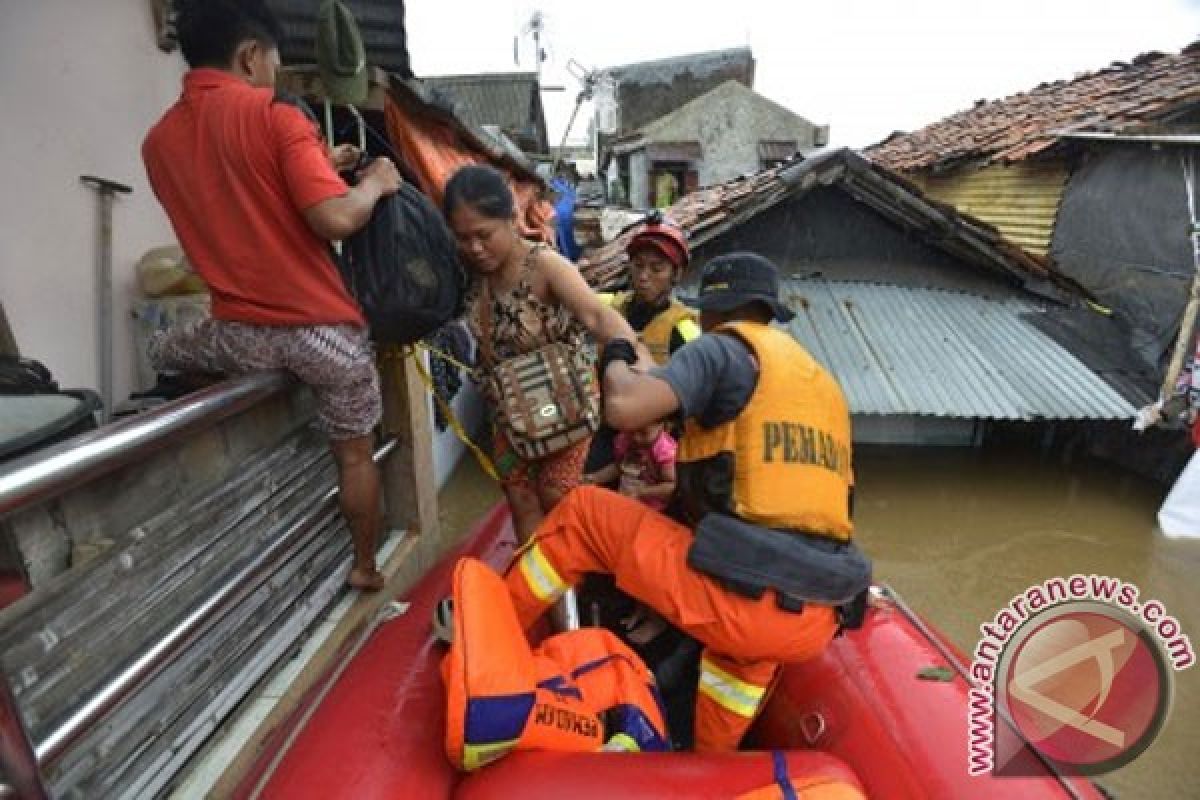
[[1020, 200], [1119, 98], [906, 351]]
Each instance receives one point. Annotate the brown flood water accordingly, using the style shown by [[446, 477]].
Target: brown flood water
[[960, 532]]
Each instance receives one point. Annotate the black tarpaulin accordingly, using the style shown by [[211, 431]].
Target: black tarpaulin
[[1123, 233]]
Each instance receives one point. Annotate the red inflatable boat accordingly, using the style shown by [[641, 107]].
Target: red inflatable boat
[[859, 715]]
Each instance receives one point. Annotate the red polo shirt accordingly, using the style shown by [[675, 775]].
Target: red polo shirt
[[234, 169]]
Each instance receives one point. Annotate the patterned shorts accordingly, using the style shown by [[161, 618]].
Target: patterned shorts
[[561, 472], [336, 361]]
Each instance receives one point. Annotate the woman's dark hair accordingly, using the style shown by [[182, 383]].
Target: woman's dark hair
[[211, 30], [481, 188]]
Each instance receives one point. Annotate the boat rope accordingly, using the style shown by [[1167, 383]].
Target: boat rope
[[786, 790]]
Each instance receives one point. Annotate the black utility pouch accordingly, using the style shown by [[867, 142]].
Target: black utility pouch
[[751, 559]]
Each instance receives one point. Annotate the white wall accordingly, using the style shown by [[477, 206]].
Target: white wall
[[639, 182], [81, 82], [729, 122]]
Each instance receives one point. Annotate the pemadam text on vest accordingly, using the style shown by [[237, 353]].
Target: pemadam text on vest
[[793, 443]]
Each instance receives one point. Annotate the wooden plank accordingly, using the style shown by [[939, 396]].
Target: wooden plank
[[409, 487]]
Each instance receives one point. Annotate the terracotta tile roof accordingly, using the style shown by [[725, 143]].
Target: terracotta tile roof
[[708, 213], [1120, 98]]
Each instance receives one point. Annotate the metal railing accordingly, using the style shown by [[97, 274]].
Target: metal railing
[[74, 463], [64, 466]]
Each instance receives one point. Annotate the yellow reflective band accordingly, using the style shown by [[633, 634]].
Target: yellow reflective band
[[727, 691], [688, 329], [621, 743], [478, 755], [542, 579]]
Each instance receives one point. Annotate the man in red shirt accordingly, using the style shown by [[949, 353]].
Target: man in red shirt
[[254, 197]]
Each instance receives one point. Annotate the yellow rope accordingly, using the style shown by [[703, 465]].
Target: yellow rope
[[444, 356], [447, 411]]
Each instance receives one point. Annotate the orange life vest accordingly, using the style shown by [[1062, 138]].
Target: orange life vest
[[784, 461], [657, 333], [501, 695]]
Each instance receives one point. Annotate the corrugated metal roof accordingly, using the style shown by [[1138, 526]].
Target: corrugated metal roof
[[899, 350], [380, 23], [1021, 200], [509, 100]]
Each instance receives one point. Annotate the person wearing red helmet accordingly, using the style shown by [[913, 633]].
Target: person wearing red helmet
[[658, 255]]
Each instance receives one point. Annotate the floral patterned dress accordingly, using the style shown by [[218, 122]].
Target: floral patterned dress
[[520, 323]]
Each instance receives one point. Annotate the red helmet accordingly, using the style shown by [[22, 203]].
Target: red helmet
[[662, 237]]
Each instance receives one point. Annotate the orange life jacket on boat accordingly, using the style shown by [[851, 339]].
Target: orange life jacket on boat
[[784, 461], [502, 695], [815, 788], [807, 787]]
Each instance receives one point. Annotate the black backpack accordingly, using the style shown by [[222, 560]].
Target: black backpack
[[403, 269]]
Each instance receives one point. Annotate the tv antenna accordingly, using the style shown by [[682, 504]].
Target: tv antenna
[[595, 84], [535, 28]]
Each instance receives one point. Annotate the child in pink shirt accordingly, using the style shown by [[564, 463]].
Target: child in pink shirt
[[645, 466]]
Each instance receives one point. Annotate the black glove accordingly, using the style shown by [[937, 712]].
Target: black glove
[[617, 350]]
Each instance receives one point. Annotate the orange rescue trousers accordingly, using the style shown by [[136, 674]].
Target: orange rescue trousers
[[745, 640]]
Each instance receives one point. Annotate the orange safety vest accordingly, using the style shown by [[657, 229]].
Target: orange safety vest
[[784, 461], [657, 333], [501, 695]]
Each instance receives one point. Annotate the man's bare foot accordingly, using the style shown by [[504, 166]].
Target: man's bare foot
[[365, 580]]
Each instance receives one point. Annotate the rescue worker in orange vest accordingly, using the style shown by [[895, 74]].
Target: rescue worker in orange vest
[[580, 691], [763, 564]]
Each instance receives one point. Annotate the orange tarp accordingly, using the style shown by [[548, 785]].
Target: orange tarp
[[435, 151]]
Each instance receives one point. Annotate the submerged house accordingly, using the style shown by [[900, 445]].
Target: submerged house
[[1091, 174], [933, 321]]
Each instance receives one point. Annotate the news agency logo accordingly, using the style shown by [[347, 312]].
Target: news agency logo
[[1083, 684], [1086, 684]]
